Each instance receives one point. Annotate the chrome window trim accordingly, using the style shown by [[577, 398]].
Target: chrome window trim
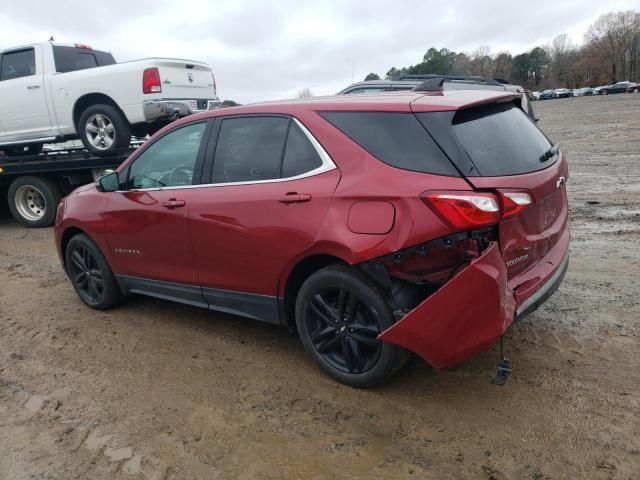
[[327, 165]]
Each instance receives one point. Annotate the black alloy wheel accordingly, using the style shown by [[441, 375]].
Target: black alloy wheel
[[342, 331]]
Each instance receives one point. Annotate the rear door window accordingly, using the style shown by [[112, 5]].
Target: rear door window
[[249, 149], [501, 140], [397, 139], [71, 59], [18, 64]]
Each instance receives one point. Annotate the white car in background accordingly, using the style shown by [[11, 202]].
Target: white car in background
[[52, 93]]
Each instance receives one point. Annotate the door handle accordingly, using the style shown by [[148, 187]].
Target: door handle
[[33, 87], [173, 203], [294, 197]]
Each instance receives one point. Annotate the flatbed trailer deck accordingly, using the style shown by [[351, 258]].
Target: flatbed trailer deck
[[32, 185]]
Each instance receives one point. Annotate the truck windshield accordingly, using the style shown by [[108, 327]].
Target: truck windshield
[[70, 59]]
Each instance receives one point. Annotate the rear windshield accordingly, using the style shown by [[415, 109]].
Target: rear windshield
[[501, 140], [397, 139], [70, 59]]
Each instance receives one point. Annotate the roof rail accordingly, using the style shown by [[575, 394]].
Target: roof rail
[[434, 83]]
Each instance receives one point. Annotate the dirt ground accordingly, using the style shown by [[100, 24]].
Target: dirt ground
[[155, 390]]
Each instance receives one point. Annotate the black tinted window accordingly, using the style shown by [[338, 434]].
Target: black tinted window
[[249, 149], [397, 139], [170, 161], [300, 156], [501, 140], [18, 64], [70, 59]]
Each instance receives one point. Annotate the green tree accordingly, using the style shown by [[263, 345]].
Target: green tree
[[538, 64], [520, 68], [372, 76], [435, 61]]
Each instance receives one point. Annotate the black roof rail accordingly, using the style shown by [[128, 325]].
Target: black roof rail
[[434, 83]]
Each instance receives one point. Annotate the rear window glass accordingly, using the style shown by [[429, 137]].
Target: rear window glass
[[70, 59], [397, 139], [501, 140]]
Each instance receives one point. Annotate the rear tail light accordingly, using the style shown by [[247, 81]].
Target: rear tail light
[[513, 203], [151, 81], [465, 211]]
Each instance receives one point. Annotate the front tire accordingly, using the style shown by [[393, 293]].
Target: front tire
[[339, 314], [104, 130], [90, 274], [33, 201]]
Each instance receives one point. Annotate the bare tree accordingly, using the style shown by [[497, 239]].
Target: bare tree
[[305, 93]]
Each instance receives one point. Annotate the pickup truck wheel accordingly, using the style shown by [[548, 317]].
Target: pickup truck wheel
[[33, 201], [104, 130]]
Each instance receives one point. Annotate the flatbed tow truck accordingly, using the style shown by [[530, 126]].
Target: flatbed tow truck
[[32, 185]]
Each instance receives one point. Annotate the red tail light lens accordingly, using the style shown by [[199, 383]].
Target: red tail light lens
[[151, 81], [513, 203], [465, 211]]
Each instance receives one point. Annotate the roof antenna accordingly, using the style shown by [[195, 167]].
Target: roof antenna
[[51, 39]]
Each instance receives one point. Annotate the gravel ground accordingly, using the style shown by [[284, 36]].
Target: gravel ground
[[154, 390]]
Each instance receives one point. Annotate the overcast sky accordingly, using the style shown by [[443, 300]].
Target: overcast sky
[[261, 50]]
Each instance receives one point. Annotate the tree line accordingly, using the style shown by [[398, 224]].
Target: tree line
[[610, 53]]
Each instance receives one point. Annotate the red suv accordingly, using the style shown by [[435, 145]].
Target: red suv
[[372, 225]]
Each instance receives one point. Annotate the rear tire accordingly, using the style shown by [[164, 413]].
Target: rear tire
[[90, 274], [339, 314], [33, 201], [104, 130]]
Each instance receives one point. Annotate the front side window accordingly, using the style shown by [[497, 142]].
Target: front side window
[[21, 63], [170, 161], [249, 149]]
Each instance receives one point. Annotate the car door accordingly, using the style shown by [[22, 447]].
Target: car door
[[271, 187], [25, 113], [147, 221]]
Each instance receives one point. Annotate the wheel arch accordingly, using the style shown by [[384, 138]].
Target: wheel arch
[[66, 237], [302, 270], [89, 99]]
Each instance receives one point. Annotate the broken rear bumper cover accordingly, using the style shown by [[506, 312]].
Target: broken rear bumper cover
[[469, 313]]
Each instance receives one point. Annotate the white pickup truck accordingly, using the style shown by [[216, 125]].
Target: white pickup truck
[[51, 92]]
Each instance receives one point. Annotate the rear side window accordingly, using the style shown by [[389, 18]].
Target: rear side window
[[501, 140], [71, 59], [21, 63], [249, 149], [299, 156], [397, 139]]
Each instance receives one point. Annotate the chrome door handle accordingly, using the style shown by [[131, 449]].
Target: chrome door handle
[[33, 87]]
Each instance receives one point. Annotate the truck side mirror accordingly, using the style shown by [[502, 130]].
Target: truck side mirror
[[109, 182]]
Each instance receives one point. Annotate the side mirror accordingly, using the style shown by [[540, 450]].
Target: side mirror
[[108, 183]]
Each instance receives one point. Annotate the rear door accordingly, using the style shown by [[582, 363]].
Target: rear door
[[497, 147], [271, 185]]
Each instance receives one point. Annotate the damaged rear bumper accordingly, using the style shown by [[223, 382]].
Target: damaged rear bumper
[[469, 313]]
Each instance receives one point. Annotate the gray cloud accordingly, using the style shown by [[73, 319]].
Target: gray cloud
[[264, 50]]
